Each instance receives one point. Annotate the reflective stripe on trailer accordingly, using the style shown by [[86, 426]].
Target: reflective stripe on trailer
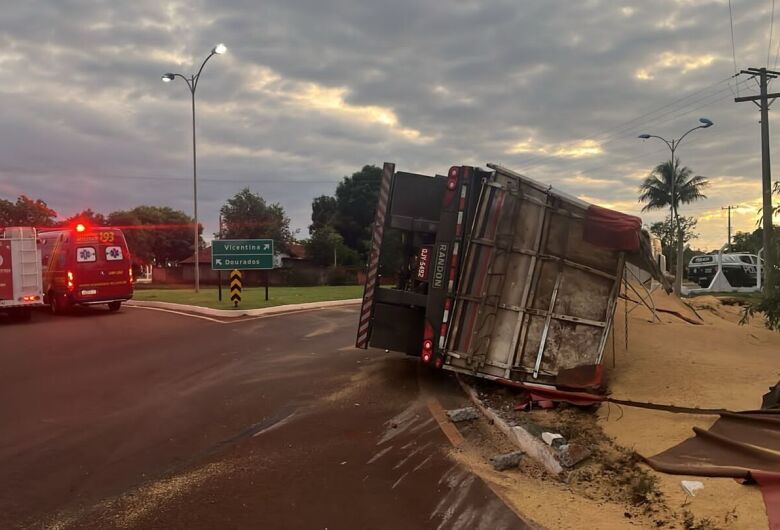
[[373, 263], [448, 303]]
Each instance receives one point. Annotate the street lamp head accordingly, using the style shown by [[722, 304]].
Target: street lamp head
[[219, 49], [167, 78], [706, 122], [644, 136]]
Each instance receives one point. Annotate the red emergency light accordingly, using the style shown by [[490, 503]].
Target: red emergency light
[[80, 227]]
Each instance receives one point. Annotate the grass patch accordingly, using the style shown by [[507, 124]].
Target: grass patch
[[252, 297]]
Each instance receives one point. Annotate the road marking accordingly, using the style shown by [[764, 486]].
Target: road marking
[[456, 439], [449, 430], [235, 320], [177, 313]]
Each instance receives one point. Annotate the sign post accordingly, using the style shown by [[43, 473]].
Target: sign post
[[242, 254], [235, 287]]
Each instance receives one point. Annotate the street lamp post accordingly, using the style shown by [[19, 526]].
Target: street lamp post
[[673, 145], [192, 84]]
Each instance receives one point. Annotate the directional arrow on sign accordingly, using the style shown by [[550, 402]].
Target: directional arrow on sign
[[235, 286], [219, 261], [267, 247]]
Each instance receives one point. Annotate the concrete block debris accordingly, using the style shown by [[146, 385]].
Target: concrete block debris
[[464, 414], [571, 454], [507, 460]]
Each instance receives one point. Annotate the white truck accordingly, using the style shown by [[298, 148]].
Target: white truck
[[20, 271]]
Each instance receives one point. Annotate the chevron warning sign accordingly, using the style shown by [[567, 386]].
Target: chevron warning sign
[[235, 286]]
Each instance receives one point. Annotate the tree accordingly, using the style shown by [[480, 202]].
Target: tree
[[323, 212], [656, 193], [776, 191], [248, 216], [156, 234], [356, 198], [87, 217], [26, 212], [665, 231], [750, 242], [322, 245]]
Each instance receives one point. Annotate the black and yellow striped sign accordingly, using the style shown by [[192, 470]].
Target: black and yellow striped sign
[[235, 286]]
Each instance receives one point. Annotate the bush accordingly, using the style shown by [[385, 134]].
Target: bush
[[341, 276], [769, 306], [303, 278]]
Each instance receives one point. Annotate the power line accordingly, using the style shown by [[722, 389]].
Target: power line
[[733, 48], [205, 179], [629, 126], [708, 100], [771, 27], [612, 131]]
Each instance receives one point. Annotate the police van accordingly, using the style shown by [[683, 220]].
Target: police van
[[741, 270]]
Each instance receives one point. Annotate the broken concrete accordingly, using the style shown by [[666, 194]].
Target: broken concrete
[[507, 460], [571, 454], [464, 414], [553, 439]]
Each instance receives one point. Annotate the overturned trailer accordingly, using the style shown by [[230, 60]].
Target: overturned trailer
[[497, 275]]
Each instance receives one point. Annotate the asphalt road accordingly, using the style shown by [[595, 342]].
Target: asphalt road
[[148, 419]]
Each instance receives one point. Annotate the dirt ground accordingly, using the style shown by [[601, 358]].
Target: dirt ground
[[718, 364]]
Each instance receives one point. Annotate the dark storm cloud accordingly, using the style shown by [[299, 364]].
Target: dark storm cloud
[[311, 90]]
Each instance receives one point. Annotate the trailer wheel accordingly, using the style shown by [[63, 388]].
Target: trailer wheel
[[57, 306], [114, 306]]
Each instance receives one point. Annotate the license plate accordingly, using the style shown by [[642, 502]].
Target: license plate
[[88, 292], [707, 270], [423, 263]]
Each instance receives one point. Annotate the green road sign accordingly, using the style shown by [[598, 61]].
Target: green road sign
[[246, 254]]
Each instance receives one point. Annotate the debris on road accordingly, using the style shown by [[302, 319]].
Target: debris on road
[[553, 439], [464, 414], [572, 454], [691, 486], [507, 460], [771, 400]]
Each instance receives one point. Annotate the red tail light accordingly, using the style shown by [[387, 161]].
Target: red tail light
[[29, 298], [452, 178], [130, 274], [427, 344], [71, 285]]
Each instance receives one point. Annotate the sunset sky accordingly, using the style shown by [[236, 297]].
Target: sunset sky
[[312, 90]]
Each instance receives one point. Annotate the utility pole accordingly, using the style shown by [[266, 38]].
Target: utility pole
[[763, 103], [729, 207]]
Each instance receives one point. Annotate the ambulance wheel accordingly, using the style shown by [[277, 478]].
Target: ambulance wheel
[[114, 306]]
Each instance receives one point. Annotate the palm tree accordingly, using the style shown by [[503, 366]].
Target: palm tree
[[670, 185]]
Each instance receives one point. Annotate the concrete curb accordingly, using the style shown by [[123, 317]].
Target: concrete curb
[[235, 313], [526, 441]]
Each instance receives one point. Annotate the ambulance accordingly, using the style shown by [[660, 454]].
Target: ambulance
[[20, 272], [85, 266]]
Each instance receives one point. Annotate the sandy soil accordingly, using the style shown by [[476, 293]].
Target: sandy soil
[[718, 364]]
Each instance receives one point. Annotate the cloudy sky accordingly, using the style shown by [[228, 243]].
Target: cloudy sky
[[311, 90]]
